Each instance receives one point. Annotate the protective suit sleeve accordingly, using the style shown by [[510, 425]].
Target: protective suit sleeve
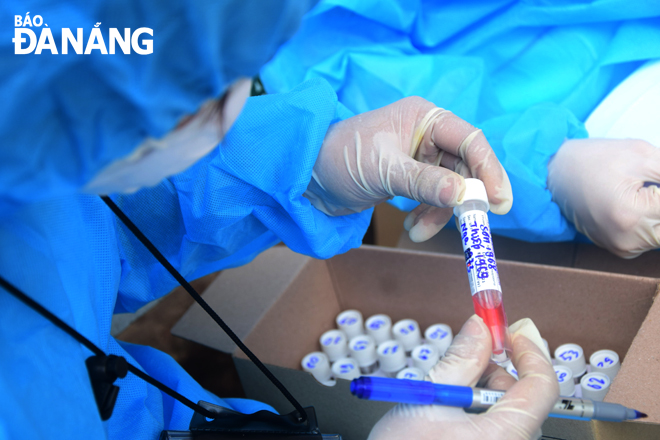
[[527, 73], [70, 115], [242, 198]]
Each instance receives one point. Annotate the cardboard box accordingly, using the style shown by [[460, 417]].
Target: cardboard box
[[565, 254], [282, 302]]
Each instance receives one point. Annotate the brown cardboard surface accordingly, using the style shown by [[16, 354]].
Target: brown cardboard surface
[[293, 326], [567, 305], [638, 383], [241, 299], [594, 309], [565, 254], [388, 224]]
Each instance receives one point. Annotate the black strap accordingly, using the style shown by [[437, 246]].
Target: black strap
[[196, 296], [97, 351]]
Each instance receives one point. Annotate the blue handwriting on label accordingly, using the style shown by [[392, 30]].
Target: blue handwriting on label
[[348, 321], [360, 345], [569, 355], [438, 333], [376, 324], [424, 354], [311, 362], [407, 330], [595, 385], [346, 368], [391, 350], [606, 360], [329, 340]]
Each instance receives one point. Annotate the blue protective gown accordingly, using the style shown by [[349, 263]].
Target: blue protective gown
[[528, 73], [66, 117]]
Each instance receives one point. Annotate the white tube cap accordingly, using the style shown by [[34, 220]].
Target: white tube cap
[[565, 380], [476, 190], [391, 356], [439, 335], [350, 322], [379, 327], [334, 344], [606, 362], [411, 373], [346, 368], [407, 333], [571, 356], [595, 386], [318, 365], [363, 350], [425, 357]]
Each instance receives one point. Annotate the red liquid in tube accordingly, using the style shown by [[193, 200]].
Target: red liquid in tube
[[481, 266]]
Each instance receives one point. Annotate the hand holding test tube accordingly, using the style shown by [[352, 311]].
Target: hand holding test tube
[[524, 407]]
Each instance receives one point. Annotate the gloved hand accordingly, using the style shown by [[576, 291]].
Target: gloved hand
[[599, 184], [410, 148], [518, 415]]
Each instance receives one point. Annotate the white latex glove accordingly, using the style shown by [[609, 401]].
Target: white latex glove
[[599, 185], [518, 415], [410, 148]]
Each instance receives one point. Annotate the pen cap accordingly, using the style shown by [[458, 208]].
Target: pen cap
[[439, 335], [318, 365], [595, 386], [571, 356], [407, 333], [391, 356], [606, 362], [425, 357], [350, 322], [363, 350], [565, 380], [411, 373], [379, 327], [334, 344], [346, 368]]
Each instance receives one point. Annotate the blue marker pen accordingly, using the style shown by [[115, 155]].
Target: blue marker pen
[[479, 399]]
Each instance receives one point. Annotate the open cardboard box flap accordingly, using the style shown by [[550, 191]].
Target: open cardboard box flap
[[282, 302]]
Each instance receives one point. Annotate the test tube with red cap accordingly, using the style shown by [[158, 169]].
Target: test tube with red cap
[[482, 267]]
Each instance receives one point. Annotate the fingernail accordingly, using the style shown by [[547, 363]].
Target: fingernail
[[409, 221], [525, 327], [462, 189], [474, 327], [503, 207], [420, 232]]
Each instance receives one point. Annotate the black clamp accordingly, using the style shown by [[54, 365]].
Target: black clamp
[[103, 372]]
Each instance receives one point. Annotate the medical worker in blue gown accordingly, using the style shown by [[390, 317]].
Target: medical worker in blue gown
[[212, 180], [529, 74]]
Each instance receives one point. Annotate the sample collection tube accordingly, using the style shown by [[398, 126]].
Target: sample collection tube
[[407, 333], [482, 267], [379, 327], [350, 322], [363, 350], [439, 335], [391, 357], [411, 373], [572, 356]]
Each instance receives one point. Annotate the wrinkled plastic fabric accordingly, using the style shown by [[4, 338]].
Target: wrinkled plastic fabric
[[527, 73], [74, 257], [68, 116]]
